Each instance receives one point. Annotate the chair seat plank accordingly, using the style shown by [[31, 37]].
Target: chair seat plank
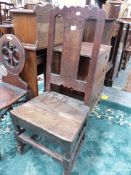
[[51, 111], [9, 94]]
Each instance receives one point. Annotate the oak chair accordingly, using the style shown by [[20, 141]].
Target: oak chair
[[13, 91], [58, 118]]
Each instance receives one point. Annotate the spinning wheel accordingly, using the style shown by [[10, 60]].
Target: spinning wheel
[[12, 53]]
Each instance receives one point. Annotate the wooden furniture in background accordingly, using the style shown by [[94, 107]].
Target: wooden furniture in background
[[31, 27], [29, 6], [110, 36], [88, 2], [112, 9], [5, 18], [127, 45], [119, 40], [6, 29], [46, 115], [115, 53], [89, 30], [12, 58], [5, 15]]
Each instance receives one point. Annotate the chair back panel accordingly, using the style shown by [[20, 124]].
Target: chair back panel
[[74, 20], [12, 57]]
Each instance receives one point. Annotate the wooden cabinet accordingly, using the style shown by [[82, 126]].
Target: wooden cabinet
[[31, 27], [126, 52], [113, 8]]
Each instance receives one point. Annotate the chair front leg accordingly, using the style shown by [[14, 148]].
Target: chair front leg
[[67, 162]]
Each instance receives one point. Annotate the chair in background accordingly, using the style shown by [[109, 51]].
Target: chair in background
[[58, 118], [13, 90], [6, 26], [5, 16]]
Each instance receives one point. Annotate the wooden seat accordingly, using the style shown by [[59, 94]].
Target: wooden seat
[[9, 94], [53, 111], [12, 59], [58, 118]]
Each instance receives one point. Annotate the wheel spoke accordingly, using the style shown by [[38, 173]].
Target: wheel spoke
[[10, 54]]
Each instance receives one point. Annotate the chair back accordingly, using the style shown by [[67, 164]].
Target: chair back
[[74, 20], [12, 57]]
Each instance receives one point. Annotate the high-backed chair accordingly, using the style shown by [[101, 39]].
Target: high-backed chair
[[12, 59], [58, 118]]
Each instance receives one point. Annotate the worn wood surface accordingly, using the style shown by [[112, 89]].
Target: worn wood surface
[[53, 111], [9, 94]]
